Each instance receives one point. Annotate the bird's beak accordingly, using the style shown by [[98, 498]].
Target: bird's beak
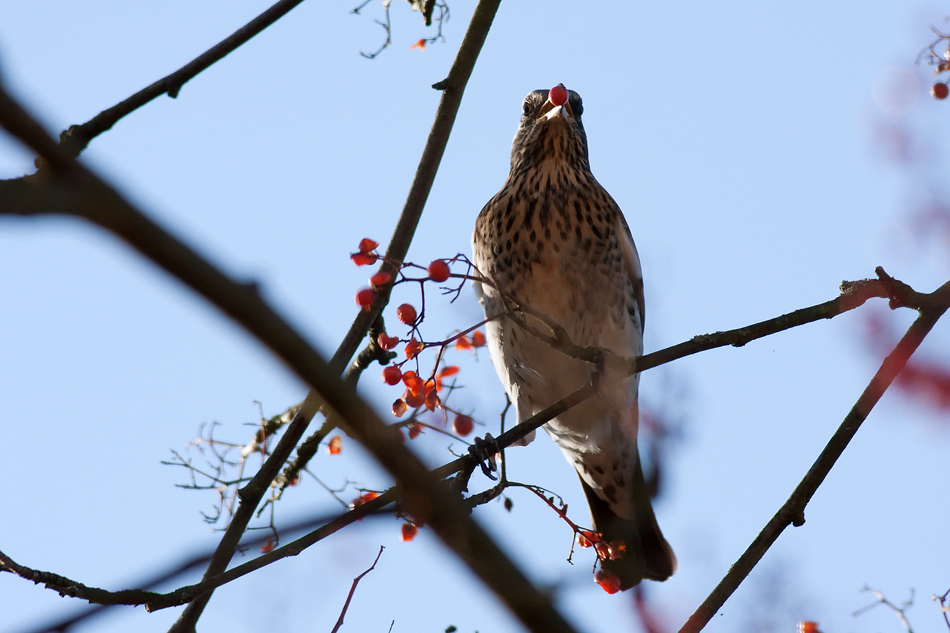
[[550, 111]]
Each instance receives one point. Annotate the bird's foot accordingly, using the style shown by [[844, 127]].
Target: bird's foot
[[483, 451], [599, 368]]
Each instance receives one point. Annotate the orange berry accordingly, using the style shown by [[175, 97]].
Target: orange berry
[[438, 270], [409, 531], [364, 259], [406, 314], [478, 338], [392, 375], [413, 347], [367, 245], [334, 446], [583, 541], [387, 342], [268, 546], [462, 342], [400, 407], [364, 299], [415, 430], [380, 279], [463, 425], [413, 382], [450, 370], [607, 581]]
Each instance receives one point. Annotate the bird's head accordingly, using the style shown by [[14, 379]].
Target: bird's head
[[550, 130]]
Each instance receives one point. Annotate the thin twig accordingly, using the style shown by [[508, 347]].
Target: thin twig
[[349, 596], [881, 599]]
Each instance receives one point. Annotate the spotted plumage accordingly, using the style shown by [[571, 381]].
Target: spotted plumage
[[556, 242]]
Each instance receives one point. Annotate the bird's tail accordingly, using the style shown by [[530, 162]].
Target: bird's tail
[[647, 555]]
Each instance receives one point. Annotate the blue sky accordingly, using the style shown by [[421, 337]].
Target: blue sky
[[742, 142]]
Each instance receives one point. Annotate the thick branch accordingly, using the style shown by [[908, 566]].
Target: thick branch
[[793, 511], [425, 497]]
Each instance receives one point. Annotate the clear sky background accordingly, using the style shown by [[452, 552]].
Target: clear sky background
[[751, 147]]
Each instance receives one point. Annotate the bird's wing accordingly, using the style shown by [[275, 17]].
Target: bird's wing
[[631, 260]]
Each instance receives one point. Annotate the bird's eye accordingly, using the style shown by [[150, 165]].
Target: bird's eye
[[526, 109]]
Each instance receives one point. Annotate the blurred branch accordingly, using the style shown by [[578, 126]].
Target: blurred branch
[[156, 579], [930, 307], [881, 599]]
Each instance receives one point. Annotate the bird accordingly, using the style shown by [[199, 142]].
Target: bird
[[553, 240]]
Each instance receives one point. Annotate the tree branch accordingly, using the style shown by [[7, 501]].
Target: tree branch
[[792, 512], [349, 596], [425, 497], [853, 295]]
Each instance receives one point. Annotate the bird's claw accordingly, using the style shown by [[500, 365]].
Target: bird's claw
[[600, 367], [483, 451]]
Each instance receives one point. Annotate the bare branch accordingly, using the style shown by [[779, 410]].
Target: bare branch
[[793, 511], [349, 596], [899, 611], [66, 587]]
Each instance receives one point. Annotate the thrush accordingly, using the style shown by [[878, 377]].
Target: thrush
[[553, 240]]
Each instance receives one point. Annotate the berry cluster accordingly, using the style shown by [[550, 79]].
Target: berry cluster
[[419, 393]]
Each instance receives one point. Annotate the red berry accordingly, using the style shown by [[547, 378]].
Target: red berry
[[367, 245], [409, 531], [413, 382], [463, 425], [387, 342], [463, 342], [380, 279], [478, 338], [558, 95], [438, 270], [940, 91], [406, 314], [364, 299], [334, 447], [415, 430], [583, 541], [363, 259], [414, 399], [392, 375], [607, 581]]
